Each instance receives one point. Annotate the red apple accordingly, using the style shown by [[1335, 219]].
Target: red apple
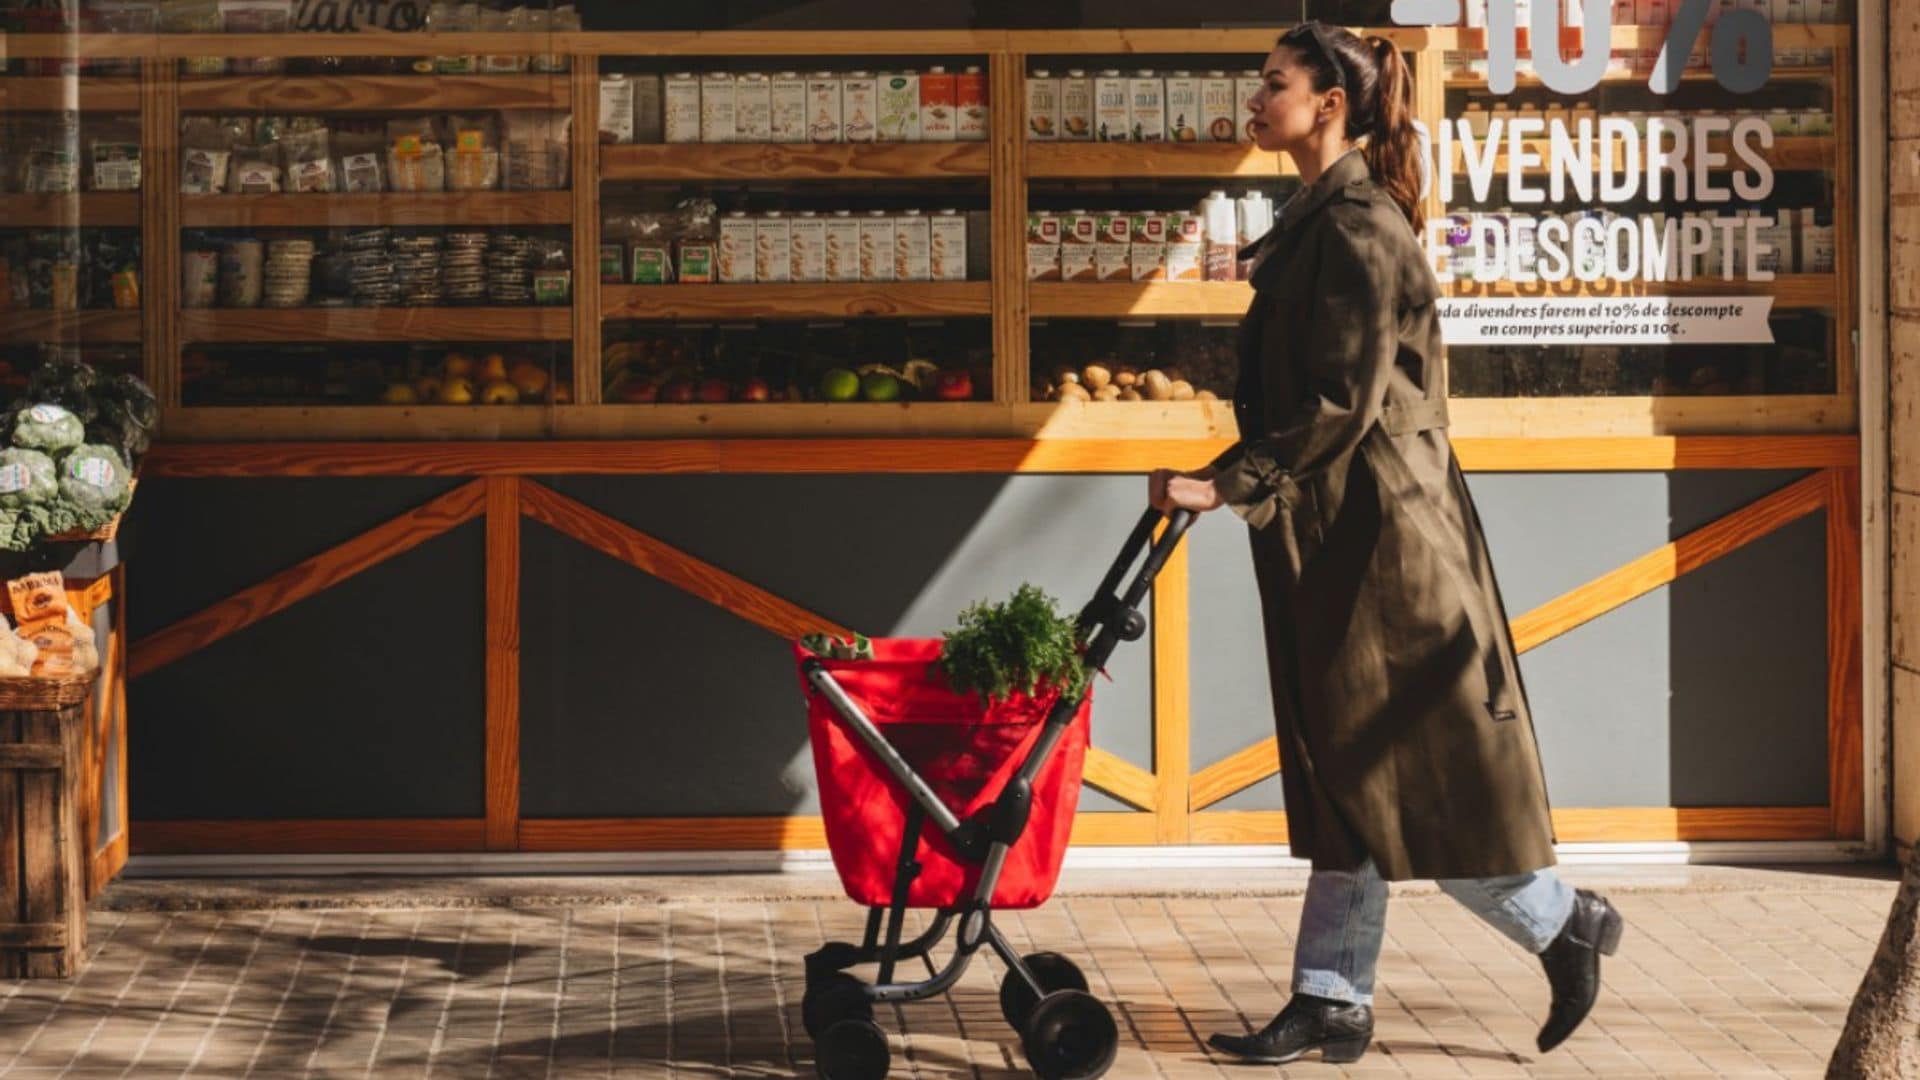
[[677, 392], [714, 391], [954, 386], [756, 389], [639, 391]]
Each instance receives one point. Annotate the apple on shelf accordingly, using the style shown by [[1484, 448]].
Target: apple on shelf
[[493, 378]]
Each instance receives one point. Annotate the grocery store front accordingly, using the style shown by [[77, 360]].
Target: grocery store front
[[520, 410]]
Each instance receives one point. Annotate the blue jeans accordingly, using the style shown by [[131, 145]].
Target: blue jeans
[[1345, 919]]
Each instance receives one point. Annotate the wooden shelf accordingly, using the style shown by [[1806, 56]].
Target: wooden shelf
[[900, 299], [794, 161], [1790, 291], [215, 423], [234, 325], [33, 327], [36, 93], [1808, 153], [355, 93], [1120, 300], [1625, 417], [92, 208], [429, 208], [1096, 161], [1172, 420]]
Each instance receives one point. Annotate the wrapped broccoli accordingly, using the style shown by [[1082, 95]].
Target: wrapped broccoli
[[26, 476], [93, 480], [49, 428]]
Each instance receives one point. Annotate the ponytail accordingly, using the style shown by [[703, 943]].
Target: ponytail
[[1393, 147]]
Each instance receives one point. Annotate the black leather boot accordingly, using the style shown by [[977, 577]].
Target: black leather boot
[[1573, 965], [1339, 1030]]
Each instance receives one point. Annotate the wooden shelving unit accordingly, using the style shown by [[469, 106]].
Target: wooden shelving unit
[[359, 93], [117, 209], [1119, 300], [795, 161], [35, 93], [1098, 161], [249, 325], [390, 208], [902, 299]]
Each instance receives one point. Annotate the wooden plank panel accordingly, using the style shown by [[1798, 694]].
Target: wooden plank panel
[[1236, 772], [51, 93], [880, 456], [1635, 417], [33, 327], [1240, 827], [793, 161], [160, 228], [1846, 784], [92, 209], [710, 583], [1112, 829], [1007, 226], [1659, 567], [357, 93], [40, 838], [1118, 300], [37, 935], [1172, 716], [1119, 778], [390, 208], [503, 662], [282, 836], [900, 299], [363, 423], [237, 325], [311, 576], [12, 898], [673, 834], [785, 42], [1102, 161], [587, 295]]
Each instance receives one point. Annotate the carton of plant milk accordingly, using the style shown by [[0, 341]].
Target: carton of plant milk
[[716, 107], [682, 108], [899, 107], [912, 247], [1043, 247], [1076, 107], [1219, 115], [1111, 93], [1043, 106], [843, 247], [1245, 86], [860, 107], [1147, 107], [1113, 248], [1148, 254], [1186, 247], [876, 247], [938, 122], [752, 109], [773, 248], [947, 246], [809, 245], [970, 101], [789, 120], [737, 246], [1183, 107], [1079, 235], [823, 108]]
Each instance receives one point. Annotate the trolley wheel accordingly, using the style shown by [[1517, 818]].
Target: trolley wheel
[[1051, 970], [837, 997], [1070, 1036], [852, 1050]]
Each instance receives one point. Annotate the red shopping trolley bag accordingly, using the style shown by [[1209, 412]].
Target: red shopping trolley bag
[[966, 753]]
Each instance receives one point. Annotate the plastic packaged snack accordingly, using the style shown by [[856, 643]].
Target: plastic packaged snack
[[308, 160], [113, 155]]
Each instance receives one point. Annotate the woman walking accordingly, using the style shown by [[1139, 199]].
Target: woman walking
[[1406, 747]]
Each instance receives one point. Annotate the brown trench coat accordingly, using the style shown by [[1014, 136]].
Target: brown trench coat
[[1403, 725]]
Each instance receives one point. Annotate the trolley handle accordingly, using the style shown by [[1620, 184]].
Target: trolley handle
[[1112, 616]]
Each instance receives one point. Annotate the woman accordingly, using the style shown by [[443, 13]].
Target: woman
[[1406, 747]]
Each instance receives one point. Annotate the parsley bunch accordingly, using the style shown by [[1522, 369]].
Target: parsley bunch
[[1017, 645]]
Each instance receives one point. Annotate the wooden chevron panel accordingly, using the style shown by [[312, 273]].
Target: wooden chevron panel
[[1120, 778]]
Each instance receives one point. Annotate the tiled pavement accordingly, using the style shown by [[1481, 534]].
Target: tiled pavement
[[1736, 980]]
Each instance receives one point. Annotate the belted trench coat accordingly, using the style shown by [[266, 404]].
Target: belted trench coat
[[1403, 726]]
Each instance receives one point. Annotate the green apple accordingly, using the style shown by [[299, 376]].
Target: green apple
[[880, 386], [840, 384]]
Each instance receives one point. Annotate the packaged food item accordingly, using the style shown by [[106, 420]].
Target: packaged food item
[[1186, 247], [450, 17], [255, 171], [49, 163], [947, 250], [913, 247], [717, 107], [808, 244], [195, 17], [752, 108], [1219, 108], [256, 17], [877, 247], [649, 252], [241, 268], [415, 161], [823, 108], [788, 122], [1245, 86], [563, 19], [938, 119], [1218, 225], [1148, 254], [1043, 261], [360, 147], [737, 249], [553, 277], [1147, 107], [616, 109], [474, 163], [859, 107], [1113, 251], [898, 107], [970, 104], [773, 248], [1043, 106], [113, 155], [309, 161], [1112, 95], [1183, 107], [511, 21], [1076, 106], [1079, 237], [682, 112], [843, 247], [1254, 219], [539, 150]]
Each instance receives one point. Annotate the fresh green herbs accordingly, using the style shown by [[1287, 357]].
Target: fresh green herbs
[[1017, 645], [857, 647]]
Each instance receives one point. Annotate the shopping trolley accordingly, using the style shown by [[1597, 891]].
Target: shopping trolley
[[895, 748]]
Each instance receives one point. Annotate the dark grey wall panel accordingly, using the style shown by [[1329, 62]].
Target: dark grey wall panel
[[366, 700], [189, 543], [1230, 702]]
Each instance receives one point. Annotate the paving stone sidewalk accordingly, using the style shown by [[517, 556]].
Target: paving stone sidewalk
[[1748, 978]]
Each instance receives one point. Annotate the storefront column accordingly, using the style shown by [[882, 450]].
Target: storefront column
[[1903, 269]]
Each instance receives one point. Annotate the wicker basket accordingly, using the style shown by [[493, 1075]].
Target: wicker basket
[[45, 692], [104, 534]]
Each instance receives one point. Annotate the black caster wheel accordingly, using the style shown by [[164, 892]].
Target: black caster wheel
[[1070, 1036], [1051, 970], [854, 1050], [837, 997]]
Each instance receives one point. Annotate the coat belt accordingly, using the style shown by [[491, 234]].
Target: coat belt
[[1423, 415]]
